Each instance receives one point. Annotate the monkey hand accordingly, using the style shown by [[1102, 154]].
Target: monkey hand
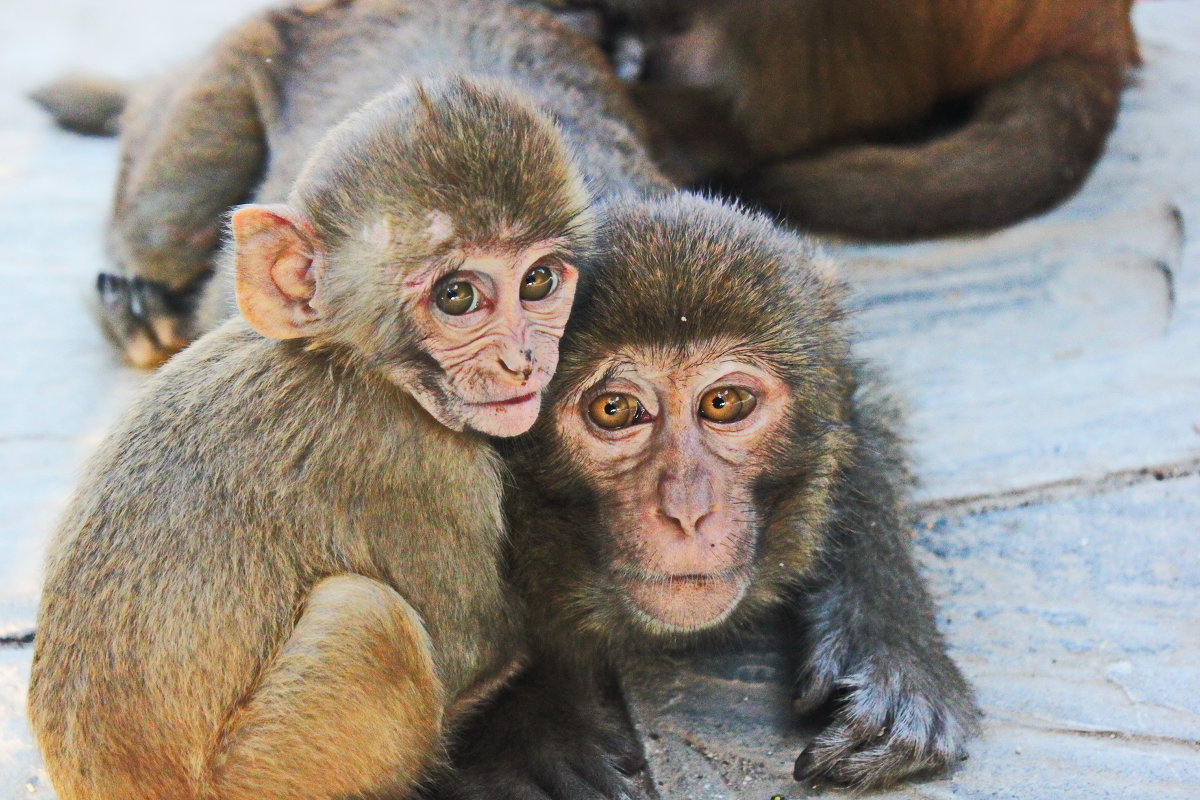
[[545, 738], [147, 320], [899, 713]]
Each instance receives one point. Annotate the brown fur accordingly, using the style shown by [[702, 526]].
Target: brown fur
[[828, 110], [279, 576]]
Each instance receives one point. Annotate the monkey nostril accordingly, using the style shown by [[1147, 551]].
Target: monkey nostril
[[523, 370], [687, 523]]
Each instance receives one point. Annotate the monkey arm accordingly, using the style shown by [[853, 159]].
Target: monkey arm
[[560, 730], [869, 645], [193, 144]]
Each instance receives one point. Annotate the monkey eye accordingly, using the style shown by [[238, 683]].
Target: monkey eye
[[455, 296], [612, 411], [538, 282], [726, 404]]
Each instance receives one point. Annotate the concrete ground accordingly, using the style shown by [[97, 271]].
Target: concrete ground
[[1053, 376]]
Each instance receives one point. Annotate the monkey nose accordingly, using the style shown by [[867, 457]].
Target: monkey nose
[[686, 498], [688, 519], [518, 363]]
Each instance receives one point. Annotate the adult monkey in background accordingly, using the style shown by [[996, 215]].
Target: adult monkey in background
[[237, 124], [709, 450], [881, 119]]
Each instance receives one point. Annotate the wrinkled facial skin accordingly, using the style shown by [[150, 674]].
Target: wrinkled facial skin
[[496, 350], [677, 485]]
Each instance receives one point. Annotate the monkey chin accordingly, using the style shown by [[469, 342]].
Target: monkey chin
[[685, 603], [504, 418]]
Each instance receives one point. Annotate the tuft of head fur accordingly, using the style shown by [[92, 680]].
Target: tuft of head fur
[[477, 154]]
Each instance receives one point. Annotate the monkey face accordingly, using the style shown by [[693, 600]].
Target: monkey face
[[491, 320], [675, 447]]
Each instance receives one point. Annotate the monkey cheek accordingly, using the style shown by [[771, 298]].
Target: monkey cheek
[[685, 604]]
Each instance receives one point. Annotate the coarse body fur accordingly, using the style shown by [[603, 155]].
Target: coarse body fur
[[184, 563]]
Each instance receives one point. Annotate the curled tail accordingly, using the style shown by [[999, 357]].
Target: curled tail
[[83, 103], [1028, 145]]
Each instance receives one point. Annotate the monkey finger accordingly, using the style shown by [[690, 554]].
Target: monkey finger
[[829, 747], [490, 787], [622, 748], [813, 691], [587, 783], [877, 765]]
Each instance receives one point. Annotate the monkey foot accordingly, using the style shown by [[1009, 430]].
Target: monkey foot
[[146, 320]]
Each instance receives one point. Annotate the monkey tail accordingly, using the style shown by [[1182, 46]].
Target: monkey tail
[[83, 103], [1028, 145]]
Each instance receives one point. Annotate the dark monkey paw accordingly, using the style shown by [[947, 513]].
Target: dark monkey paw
[[146, 320], [895, 716], [526, 748]]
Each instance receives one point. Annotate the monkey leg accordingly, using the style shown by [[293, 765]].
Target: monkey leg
[[1028, 145], [192, 146], [349, 705], [559, 730], [870, 649]]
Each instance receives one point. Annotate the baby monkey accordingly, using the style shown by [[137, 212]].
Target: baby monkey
[[280, 576]]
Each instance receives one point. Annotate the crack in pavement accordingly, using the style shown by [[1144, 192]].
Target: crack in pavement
[[1056, 491], [1104, 734]]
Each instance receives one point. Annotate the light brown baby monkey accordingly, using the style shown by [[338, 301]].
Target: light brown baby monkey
[[280, 575]]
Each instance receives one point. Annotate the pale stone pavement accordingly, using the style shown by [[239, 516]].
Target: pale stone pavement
[[1052, 372]]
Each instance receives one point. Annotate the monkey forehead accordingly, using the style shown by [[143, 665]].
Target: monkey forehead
[[501, 260], [677, 369], [386, 232]]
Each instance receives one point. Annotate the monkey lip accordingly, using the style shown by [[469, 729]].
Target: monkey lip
[[512, 401], [686, 602]]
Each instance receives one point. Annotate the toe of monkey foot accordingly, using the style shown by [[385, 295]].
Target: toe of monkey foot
[[147, 321]]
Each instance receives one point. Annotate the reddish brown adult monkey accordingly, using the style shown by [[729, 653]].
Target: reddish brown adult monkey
[[286, 557], [881, 120], [237, 125], [711, 451]]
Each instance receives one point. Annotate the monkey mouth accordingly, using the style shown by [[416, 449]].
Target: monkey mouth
[[685, 602], [509, 416], [512, 401]]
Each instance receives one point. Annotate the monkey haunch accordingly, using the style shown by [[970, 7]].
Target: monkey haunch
[[280, 577], [711, 450], [831, 110]]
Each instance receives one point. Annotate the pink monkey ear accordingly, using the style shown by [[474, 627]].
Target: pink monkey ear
[[275, 278]]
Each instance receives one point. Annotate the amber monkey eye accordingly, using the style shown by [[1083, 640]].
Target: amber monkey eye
[[726, 404], [538, 282], [612, 411], [456, 297]]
